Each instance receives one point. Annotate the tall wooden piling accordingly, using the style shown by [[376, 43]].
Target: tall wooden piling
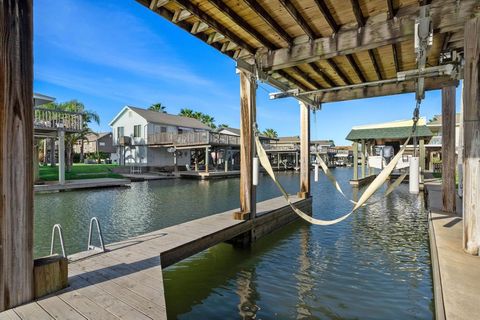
[[355, 160], [16, 153], [248, 87], [471, 138], [304, 150], [448, 149]]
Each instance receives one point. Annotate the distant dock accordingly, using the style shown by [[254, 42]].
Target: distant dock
[[54, 186], [202, 175]]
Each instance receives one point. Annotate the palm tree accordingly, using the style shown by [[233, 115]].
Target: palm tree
[[208, 120], [202, 117], [185, 112], [271, 133], [223, 125], [71, 138], [158, 107]]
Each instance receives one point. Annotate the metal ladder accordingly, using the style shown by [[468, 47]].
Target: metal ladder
[[58, 227], [100, 235]]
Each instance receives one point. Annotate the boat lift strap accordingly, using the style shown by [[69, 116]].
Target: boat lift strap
[[371, 189]]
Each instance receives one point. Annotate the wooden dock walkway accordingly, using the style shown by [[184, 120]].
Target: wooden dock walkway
[[456, 274], [126, 281]]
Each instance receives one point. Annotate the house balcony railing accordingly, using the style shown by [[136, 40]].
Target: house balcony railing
[[53, 120], [193, 138]]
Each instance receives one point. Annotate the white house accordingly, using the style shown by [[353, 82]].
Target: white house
[[151, 135]]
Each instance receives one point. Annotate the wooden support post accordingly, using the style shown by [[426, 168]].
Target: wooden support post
[[278, 161], [207, 159], [248, 87], [61, 156], [355, 160], [52, 152], [369, 152], [36, 172], [448, 149], [304, 151], [363, 159], [471, 138], [422, 161], [225, 159], [16, 153]]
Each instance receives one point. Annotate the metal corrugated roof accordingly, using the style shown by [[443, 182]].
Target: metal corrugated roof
[[387, 133]]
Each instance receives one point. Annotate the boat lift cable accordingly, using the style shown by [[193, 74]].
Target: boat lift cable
[[371, 189]]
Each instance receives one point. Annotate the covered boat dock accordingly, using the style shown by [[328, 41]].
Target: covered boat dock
[[315, 51]]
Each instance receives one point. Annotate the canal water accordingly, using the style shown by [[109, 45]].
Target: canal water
[[374, 265]]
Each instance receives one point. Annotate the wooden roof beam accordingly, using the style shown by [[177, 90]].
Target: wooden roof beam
[[371, 36], [272, 23], [357, 11], [239, 21], [384, 90], [339, 71], [391, 10], [307, 78], [356, 68], [206, 18], [154, 4], [325, 76], [297, 16], [327, 15], [292, 80], [396, 62], [376, 66]]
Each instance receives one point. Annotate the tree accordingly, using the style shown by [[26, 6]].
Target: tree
[[271, 133], [88, 117], [158, 107], [202, 117]]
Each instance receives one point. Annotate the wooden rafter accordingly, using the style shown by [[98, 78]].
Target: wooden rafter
[[339, 71], [292, 80], [327, 15], [357, 11], [376, 66], [355, 67], [200, 14], [239, 21], [297, 16], [305, 76], [257, 7], [391, 10], [323, 74], [396, 62]]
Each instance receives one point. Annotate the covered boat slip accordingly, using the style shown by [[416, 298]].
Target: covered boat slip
[[371, 140], [312, 50]]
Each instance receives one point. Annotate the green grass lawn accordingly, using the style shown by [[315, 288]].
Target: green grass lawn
[[80, 171]]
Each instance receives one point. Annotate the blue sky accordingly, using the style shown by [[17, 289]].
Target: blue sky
[[112, 53]]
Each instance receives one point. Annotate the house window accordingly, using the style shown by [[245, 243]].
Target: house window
[[180, 131], [120, 132], [163, 129], [101, 144], [137, 131]]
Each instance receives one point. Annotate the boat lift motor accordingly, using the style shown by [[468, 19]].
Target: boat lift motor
[[413, 179]]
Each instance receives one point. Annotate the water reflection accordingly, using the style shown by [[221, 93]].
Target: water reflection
[[375, 265]]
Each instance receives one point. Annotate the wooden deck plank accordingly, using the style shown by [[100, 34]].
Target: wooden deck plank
[[107, 301], [9, 315], [59, 309], [86, 307], [32, 311], [129, 297]]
